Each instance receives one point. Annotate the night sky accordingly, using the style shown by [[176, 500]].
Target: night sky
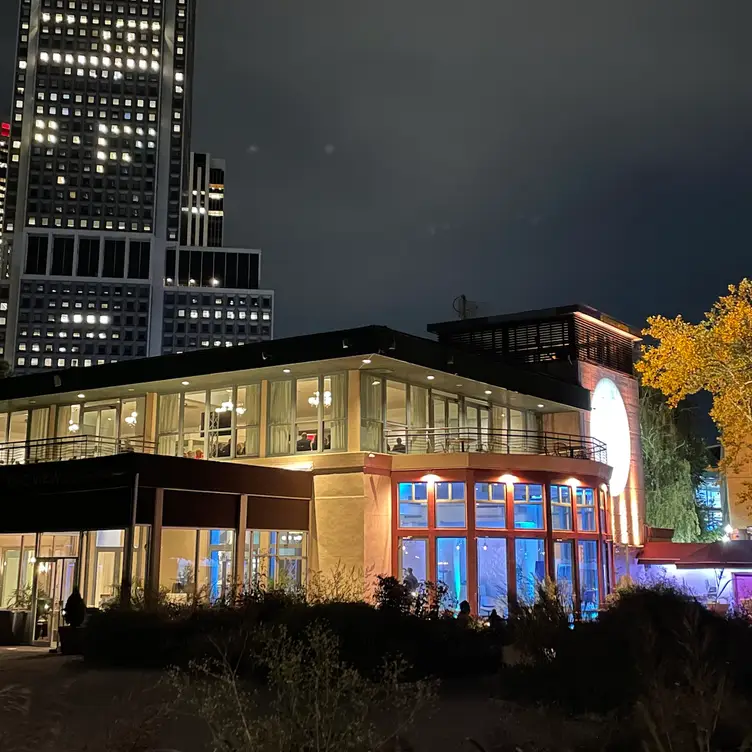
[[388, 156]]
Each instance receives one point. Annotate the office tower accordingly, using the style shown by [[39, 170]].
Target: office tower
[[203, 207], [4, 142], [4, 244], [100, 131]]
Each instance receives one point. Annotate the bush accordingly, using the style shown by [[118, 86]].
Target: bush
[[162, 637], [315, 699], [609, 664]]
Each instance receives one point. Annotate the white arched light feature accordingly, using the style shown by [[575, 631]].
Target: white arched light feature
[[609, 423]]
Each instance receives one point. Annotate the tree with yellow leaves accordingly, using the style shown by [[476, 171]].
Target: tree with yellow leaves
[[714, 356]]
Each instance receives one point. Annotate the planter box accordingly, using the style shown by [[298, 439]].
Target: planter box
[[71, 640], [13, 626]]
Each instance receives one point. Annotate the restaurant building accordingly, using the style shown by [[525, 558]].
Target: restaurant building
[[367, 449]]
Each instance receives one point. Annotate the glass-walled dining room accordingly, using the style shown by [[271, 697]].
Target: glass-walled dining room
[[490, 540], [221, 423], [400, 417]]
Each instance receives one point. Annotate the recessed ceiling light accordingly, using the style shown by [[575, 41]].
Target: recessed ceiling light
[[430, 378], [131, 389], [81, 396], [540, 404], [32, 402], [458, 385], [488, 391], [285, 370], [366, 361], [185, 383]]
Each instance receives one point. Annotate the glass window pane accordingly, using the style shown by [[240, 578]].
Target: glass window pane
[[563, 569], [307, 402], [371, 406], [169, 413], [451, 568], [530, 567], [194, 416], [490, 506], [177, 572], [585, 509], [396, 403], [132, 418], [247, 416], [280, 417], [561, 508], [335, 412], [221, 408], [215, 557], [528, 506], [587, 560], [450, 504], [413, 561], [492, 576], [413, 505]]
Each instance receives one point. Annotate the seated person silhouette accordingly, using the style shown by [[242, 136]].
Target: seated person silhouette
[[304, 443], [399, 446]]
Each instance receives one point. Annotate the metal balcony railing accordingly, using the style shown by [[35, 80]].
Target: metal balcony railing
[[70, 448], [449, 440]]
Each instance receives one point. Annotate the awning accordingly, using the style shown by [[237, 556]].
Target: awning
[[718, 555]]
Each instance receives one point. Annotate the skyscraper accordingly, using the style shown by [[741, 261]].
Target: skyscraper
[[203, 208], [4, 244], [99, 145]]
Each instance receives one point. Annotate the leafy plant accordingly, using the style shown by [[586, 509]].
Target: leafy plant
[[313, 700]]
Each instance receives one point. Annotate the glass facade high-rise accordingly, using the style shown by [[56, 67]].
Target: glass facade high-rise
[[203, 208], [98, 161]]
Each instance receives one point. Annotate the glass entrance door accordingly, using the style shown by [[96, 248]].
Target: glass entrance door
[[55, 580], [477, 418], [100, 420], [446, 421]]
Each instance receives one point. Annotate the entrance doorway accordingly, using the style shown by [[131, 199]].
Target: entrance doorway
[[55, 580]]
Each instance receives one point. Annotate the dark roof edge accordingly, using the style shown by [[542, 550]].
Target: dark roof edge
[[533, 315], [365, 340]]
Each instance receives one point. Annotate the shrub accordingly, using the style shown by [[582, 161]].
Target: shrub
[[315, 700]]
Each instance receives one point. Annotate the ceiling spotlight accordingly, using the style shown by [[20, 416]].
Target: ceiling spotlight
[[185, 383], [285, 370], [540, 404], [81, 396], [488, 391], [430, 378], [366, 361]]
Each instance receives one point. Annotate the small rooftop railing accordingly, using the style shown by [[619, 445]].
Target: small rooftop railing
[[70, 448], [462, 440]]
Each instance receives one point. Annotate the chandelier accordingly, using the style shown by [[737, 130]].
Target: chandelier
[[72, 426], [314, 401], [131, 419], [228, 407]]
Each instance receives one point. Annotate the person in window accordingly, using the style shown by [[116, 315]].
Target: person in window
[[240, 450], [304, 443], [399, 446], [410, 581]]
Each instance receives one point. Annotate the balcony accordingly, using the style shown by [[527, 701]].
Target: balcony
[[70, 448], [462, 440]]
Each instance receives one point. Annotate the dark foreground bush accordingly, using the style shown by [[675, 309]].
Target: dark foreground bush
[[647, 636], [367, 635]]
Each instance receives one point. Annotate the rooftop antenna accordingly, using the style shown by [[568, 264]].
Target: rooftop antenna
[[464, 308]]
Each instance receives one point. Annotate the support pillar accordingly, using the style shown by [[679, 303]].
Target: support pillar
[[238, 564], [126, 582], [155, 548]]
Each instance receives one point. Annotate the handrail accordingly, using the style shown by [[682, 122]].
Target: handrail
[[70, 448], [463, 440]]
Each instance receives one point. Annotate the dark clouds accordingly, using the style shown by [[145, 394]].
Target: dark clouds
[[389, 156]]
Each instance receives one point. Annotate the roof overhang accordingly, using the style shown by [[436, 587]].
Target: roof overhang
[[376, 349]]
